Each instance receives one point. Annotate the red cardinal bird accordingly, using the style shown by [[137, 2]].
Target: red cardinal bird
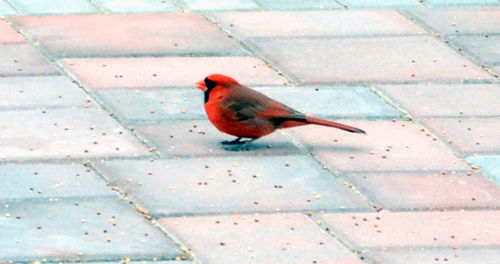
[[245, 113]]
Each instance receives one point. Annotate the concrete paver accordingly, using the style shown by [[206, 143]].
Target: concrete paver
[[149, 72], [199, 138], [446, 100], [427, 190], [402, 59], [280, 238], [387, 146], [64, 133], [484, 48], [316, 23], [79, 230], [40, 92], [270, 184], [468, 135], [441, 3], [22, 59], [298, 5], [451, 21], [380, 4], [105, 35], [415, 229], [6, 9], [201, 5], [8, 34], [50, 181], [38, 7], [489, 166], [187, 104], [135, 6]]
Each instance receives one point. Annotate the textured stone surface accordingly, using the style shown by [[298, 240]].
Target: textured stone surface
[[464, 255], [490, 166], [446, 100], [167, 71], [50, 181], [79, 230], [275, 238], [185, 104], [270, 184], [135, 6], [64, 133], [6, 9], [368, 59], [202, 5], [459, 20], [380, 4], [8, 34], [468, 134], [431, 190], [201, 138], [143, 34], [316, 23], [23, 59], [37, 92], [441, 3], [37, 7], [388, 146], [485, 49], [298, 5], [415, 229]]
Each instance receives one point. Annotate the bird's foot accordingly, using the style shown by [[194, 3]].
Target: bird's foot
[[238, 145], [237, 141]]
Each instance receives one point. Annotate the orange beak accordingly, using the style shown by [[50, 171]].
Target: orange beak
[[201, 85]]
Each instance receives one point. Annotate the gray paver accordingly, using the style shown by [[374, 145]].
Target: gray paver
[[380, 4], [271, 238], [37, 92], [23, 59], [413, 58], [78, 230], [459, 20], [202, 5], [135, 6], [64, 133], [186, 104], [270, 184], [485, 49], [201, 138], [489, 165], [50, 181], [298, 5]]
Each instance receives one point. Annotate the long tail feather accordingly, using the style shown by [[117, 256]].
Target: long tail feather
[[322, 122]]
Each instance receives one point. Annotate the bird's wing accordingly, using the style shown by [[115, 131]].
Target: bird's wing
[[252, 104]]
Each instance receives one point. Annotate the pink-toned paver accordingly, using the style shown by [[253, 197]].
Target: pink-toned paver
[[107, 35], [23, 59], [316, 23], [384, 59], [441, 100], [427, 190], [387, 146], [416, 229], [8, 34], [152, 72], [468, 134], [271, 238]]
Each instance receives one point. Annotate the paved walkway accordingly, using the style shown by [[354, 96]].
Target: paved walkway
[[106, 154]]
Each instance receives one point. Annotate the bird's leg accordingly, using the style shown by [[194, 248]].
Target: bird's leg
[[237, 141]]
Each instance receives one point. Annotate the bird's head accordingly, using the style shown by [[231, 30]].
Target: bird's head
[[213, 80]]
